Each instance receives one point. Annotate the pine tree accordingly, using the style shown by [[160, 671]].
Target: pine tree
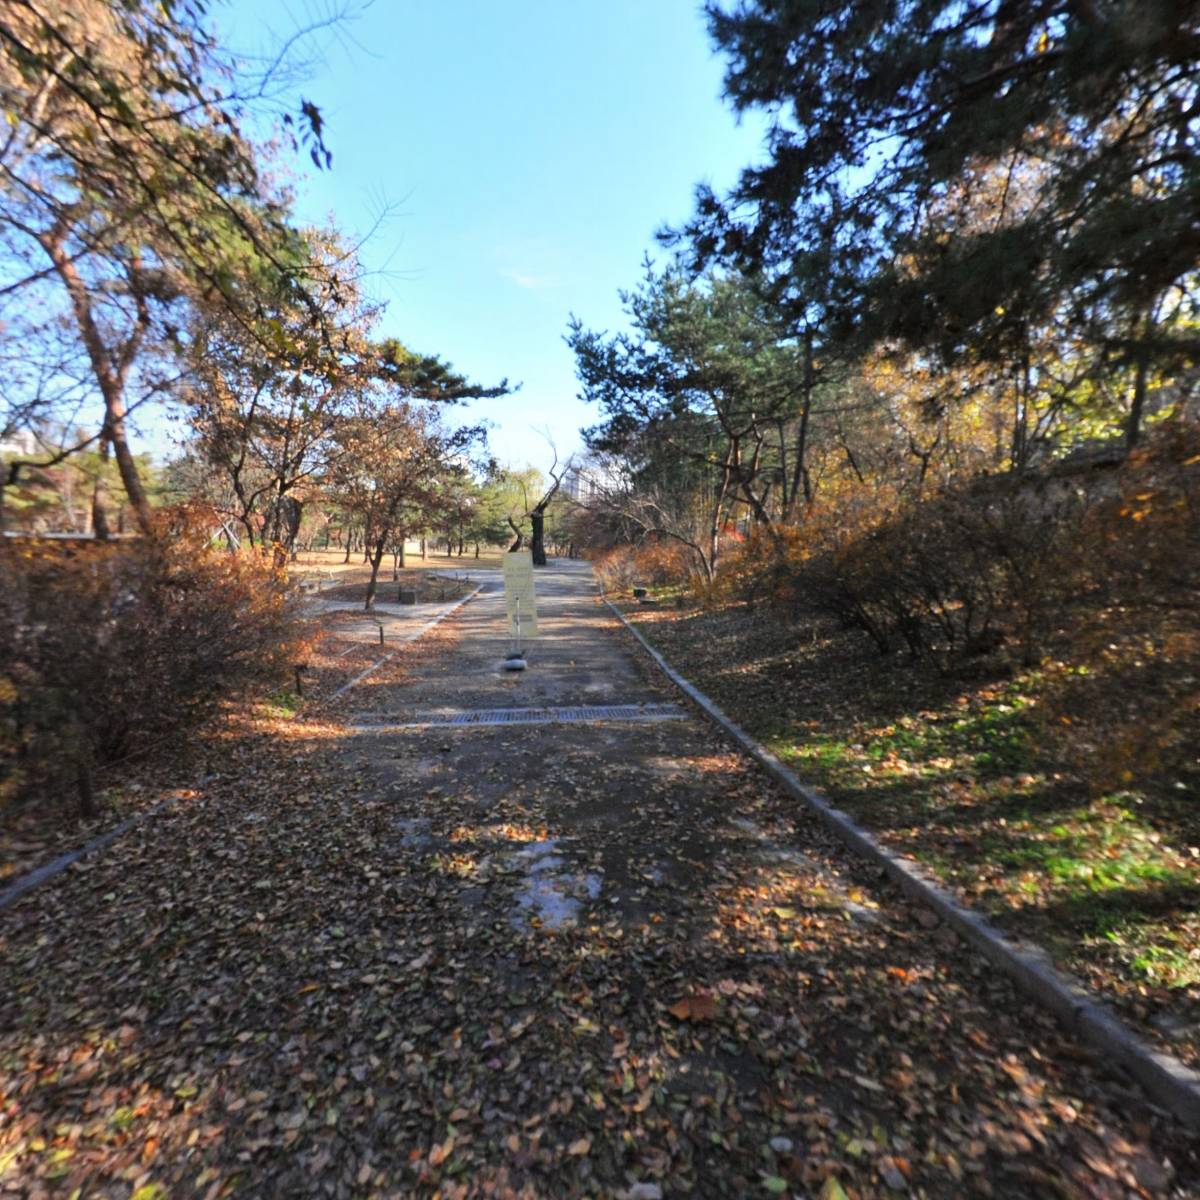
[[880, 107]]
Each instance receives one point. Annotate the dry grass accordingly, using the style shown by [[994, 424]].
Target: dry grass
[[996, 782], [329, 563]]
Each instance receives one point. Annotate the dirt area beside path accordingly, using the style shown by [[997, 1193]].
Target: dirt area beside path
[[550, 960], [427, 586], [966, 775]]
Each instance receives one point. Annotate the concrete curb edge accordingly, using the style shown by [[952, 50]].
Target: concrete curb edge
[[1166, 1080], [56, 866], [406, 640], [47, 871]]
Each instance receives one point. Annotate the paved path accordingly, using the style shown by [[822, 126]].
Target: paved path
[[397, 620], [541, 960], [571, 662], [644, 863]]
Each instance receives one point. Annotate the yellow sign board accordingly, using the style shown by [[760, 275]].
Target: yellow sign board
[[518, 593]]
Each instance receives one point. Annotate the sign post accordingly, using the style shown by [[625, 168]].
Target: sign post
[[520, 604]]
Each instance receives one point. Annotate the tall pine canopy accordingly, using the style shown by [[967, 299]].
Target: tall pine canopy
[[1080, 115]]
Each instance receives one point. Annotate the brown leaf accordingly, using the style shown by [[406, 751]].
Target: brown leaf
[[696, 1007], [892, 1175]]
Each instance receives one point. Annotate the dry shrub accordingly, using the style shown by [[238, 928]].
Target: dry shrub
[[655, 562], [1144, 538], [110, 648], [792, 568], [1122, 696], [944, 576], [614, 567], [659, 562], [962, 572], [999, 559]]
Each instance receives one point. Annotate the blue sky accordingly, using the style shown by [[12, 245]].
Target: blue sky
[[529, 150]]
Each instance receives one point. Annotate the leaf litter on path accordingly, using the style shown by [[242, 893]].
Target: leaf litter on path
[[336, 1001]]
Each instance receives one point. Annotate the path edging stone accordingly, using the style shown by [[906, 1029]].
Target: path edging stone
[[1168, 1082], [27, 882], [30, 880], [405, 640]]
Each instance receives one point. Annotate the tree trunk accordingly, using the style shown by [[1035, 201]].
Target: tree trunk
[[109, 380], [85, 789], [1020, 435], [801, 482], [708, 566], [8, 480], [537, 542], [373, 583], [422, 549], [100, 527], [1133, 426], [127, 466]]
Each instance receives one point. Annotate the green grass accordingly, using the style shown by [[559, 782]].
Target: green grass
[[964, 775], [284, 703]]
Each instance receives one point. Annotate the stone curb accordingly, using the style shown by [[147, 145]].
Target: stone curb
[[405, 640], [56, 866], [1165, 1079]]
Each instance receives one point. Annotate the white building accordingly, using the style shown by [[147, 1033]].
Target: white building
[[19, 444], [582, 483]]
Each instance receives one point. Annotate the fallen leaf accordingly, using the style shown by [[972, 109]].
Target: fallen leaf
[[696, 1007], [892, 1175]]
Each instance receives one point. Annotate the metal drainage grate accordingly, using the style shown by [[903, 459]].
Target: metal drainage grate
[[374, 722]]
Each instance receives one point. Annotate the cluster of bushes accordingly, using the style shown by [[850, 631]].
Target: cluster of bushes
[[108, 649], [655, 562], [955, 574], [998, 560]]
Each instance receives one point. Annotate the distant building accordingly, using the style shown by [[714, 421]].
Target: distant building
[[584, 483], [21, 443]]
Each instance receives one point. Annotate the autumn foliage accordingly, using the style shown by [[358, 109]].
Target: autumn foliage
[[655, 562], [111, 649], [992, 561], [1123, 701], [1085, 575]]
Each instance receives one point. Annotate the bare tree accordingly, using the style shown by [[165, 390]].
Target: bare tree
[[644, 512], [537, 513]]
